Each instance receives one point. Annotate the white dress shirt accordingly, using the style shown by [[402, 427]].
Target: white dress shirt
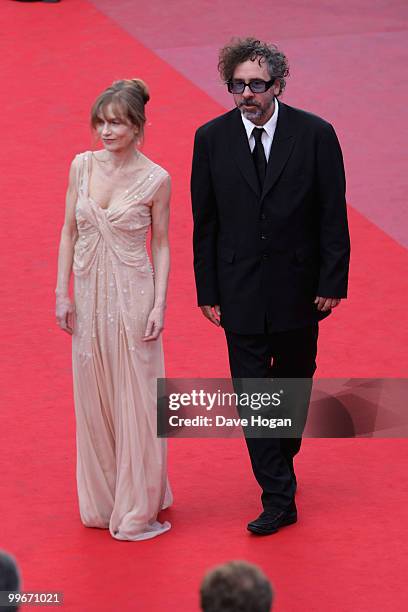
[[268, 134]]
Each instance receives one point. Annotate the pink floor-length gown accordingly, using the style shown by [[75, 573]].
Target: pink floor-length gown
[[121, 464]]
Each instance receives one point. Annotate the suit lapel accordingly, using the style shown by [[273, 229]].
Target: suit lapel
[[282, 145], [241, 151]]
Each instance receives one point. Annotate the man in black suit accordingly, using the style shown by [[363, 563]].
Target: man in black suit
[[271, 242]]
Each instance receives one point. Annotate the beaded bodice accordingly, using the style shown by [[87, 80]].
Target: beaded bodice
[[121, 228]]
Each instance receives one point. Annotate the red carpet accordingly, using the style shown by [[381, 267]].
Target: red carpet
[[349, 548]]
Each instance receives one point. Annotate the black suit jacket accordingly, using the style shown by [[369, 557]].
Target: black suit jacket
[[264, 257]]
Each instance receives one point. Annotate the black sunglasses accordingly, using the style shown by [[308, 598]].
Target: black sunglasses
[[255, 85]]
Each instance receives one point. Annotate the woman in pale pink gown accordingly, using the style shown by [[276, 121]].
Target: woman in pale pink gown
[[115, 196]]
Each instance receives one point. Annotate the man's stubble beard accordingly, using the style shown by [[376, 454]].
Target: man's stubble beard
[[251, 116], [255, 115]]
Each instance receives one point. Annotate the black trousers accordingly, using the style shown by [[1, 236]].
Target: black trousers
[[287, 354]]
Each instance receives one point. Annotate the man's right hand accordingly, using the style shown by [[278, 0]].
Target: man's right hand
[[212, 313]]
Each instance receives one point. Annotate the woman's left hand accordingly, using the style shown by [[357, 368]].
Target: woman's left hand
[[155, 324]]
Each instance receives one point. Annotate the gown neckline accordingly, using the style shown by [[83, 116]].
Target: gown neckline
[[121, 196]]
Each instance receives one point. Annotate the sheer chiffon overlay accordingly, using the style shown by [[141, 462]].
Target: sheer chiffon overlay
[[121, 464]]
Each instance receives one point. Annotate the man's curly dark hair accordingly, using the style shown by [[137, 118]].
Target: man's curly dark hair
[[242, 49]]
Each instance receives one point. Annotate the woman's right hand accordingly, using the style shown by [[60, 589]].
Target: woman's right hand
[[64, 312]]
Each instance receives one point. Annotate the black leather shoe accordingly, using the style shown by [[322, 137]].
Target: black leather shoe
[[271, 520]]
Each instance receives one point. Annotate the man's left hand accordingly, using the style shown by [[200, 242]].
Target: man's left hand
[[325, 304]]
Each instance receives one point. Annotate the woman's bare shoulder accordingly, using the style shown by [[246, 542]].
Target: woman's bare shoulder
[[151, 165]]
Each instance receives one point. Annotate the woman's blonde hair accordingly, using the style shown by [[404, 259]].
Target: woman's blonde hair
[[128, 98]]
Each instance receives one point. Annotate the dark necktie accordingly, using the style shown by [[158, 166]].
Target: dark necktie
[[259, 156]]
